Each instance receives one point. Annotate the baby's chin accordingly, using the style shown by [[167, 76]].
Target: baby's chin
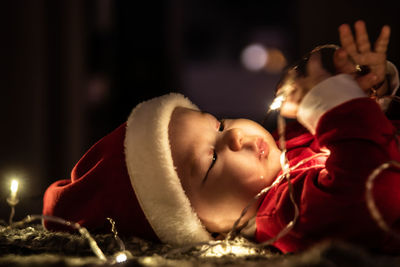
[[267, 178], [258, 184]]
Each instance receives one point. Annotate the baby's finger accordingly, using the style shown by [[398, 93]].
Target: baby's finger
[[342, 61], [366, 82], [289, 110], [382, 42], [347, 40], [291, 104], [371, 59], [362, 39]]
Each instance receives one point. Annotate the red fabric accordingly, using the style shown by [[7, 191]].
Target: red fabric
[[99, 187], [330, 191]]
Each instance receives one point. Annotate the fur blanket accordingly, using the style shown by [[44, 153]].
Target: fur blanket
[[32, 245]]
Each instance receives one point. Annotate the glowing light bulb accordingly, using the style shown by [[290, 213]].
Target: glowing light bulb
[[121, 257], [14, 189], [13, 200], [277, 103], [224, 249], [149, 261]]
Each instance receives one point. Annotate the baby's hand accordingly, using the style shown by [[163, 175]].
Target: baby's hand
[[368, 67], [356, 57]]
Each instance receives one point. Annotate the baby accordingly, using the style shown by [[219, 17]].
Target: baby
[[178, 175]]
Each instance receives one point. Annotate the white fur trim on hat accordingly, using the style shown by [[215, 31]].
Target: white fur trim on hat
[[152, 173]]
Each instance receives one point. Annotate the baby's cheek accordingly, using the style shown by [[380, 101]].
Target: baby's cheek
[[253, 183], [253, 171]]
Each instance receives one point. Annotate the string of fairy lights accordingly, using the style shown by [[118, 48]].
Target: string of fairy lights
[[118, 257], [234, 243]]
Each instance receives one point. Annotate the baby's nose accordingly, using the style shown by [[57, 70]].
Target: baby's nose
[[237, 140], [234, 139]]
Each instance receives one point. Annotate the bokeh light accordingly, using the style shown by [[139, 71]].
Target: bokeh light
[[254, 57]]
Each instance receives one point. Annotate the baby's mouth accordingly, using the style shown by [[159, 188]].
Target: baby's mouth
[[262, 149]]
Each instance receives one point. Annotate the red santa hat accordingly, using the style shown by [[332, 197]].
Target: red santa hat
[[129, 176]]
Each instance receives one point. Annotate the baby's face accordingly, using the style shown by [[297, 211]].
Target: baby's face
[[222, 165]]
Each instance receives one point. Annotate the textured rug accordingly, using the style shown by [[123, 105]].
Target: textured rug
[[32, 245]]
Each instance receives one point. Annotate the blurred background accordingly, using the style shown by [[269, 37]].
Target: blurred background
[[72, 70]]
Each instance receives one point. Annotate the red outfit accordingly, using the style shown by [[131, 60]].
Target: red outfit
[[330, 190]]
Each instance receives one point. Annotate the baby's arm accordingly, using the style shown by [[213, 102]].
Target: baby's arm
[[375, 76], [359, 138], [356, 54], [331, 196]]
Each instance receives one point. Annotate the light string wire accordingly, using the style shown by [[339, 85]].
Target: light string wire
[[393, 97], [84, 233], [12, 202], [12, 213], [82, 230], [115, 234], [372, 207], [369, 197]]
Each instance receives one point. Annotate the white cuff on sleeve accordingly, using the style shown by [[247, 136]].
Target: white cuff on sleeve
[[325, 96]]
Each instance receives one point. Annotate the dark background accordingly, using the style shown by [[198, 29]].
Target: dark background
[[72, 70]]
